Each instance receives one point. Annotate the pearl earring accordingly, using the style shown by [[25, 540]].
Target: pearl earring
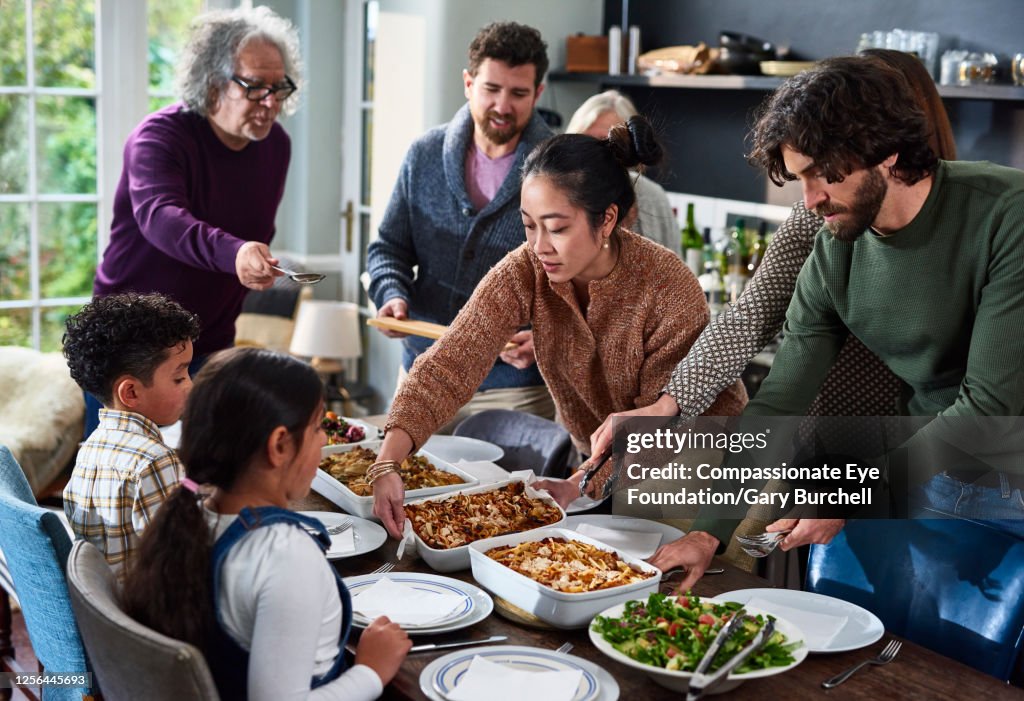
[[605, 245]]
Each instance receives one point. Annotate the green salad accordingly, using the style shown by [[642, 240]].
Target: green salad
[[674, 632]]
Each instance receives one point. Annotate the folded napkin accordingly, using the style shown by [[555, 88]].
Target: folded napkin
[[484, 470], [818, 628], [496, 682], [344, 543], [404, 604], [639, 544]]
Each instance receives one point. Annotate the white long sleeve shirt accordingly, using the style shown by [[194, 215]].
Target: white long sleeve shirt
[[279, 600]]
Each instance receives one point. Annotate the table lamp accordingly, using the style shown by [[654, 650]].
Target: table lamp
[[328, 332]]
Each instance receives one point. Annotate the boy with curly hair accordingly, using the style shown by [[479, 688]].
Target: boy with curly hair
[[132, 352]]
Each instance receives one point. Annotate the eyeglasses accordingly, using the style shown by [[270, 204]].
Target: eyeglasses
[[258, 93]]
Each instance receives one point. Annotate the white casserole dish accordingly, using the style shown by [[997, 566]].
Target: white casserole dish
[[356, 505], [560, 609], [453, 559]]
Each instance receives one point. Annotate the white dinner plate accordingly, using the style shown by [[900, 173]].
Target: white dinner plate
[[456, 448], [371, 432], [368, 535], [440, 676], [171, 434], [476, 607], [625, 523], [862, 627], [584, 504]]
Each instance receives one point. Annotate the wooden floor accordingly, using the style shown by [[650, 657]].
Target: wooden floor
[[23, 650]]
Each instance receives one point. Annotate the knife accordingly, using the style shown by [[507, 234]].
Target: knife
[[701, 682], [459, 643]]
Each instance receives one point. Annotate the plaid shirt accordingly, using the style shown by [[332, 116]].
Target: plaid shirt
[[122, 475]]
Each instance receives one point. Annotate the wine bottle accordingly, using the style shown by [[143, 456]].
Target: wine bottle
[[736, 256], [692, 243], [758, 248]]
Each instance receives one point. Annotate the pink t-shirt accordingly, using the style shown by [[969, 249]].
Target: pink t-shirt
[[484, 176]]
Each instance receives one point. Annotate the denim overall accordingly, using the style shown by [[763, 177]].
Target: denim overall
[[228, 662]]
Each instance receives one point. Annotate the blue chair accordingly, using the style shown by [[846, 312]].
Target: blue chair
[[951, 585], [530, 442], [36, 546]]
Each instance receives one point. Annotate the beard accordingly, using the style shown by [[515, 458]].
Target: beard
[[499, 137], [867, 201]]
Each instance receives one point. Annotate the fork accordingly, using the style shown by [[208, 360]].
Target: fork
[[384, 569], [887, 655], [564, 648], [761, 545], [340, 527]]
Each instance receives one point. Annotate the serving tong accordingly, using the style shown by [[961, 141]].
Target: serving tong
[[702, 682], [596, 463]]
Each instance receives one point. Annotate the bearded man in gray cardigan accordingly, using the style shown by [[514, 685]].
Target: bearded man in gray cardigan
[[454, 211]]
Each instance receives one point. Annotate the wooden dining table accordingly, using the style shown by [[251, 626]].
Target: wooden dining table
[[916, 673]]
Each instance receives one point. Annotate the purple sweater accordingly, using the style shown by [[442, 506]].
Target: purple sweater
[[184, 206]]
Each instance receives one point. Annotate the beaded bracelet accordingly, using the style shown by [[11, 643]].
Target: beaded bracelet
[[381, 467]]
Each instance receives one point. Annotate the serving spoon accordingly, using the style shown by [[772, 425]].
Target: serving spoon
[[301, 278]]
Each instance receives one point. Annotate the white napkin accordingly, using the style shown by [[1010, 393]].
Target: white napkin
[[404, 604], [818, 628], [408, 541], [343, 543], [484, 470], [496, 682], [639, 544]]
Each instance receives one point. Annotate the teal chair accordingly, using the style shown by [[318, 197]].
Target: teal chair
[[952, 585], [36, 546]]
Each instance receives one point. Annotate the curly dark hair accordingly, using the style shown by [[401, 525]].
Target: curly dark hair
[[594, 173], [512, 43], [845, 113], [124, 334]]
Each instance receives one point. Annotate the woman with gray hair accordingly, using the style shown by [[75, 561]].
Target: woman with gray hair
[[652, 216], [202, 179]]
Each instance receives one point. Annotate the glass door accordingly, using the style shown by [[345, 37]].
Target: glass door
[[361, 20]]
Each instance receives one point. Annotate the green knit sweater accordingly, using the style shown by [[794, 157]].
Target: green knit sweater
[[941, 302]]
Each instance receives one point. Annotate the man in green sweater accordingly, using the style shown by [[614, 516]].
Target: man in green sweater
[[922, 260]]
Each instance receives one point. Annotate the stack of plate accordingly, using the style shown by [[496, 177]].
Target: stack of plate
[[368, 535], [476, 606], [785, 69], [440, 677]]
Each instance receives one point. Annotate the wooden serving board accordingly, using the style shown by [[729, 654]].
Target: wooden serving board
[[412, 327]]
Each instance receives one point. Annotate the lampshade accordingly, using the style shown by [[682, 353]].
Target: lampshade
[[326, 329]]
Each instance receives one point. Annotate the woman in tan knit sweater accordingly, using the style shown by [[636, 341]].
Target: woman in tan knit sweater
[[612, 312]]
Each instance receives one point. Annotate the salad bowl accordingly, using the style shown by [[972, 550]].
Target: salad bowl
[[679, 680]]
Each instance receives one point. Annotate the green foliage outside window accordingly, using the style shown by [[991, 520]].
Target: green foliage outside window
[[64, 54]]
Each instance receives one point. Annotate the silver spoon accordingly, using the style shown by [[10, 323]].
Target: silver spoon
[[301, 278]]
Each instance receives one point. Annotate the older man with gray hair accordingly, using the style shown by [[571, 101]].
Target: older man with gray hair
[[203, 178]]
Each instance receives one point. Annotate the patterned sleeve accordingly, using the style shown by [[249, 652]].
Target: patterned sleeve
[[722, 351], [155, 484]]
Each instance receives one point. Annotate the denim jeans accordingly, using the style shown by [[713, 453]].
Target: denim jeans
[[1000, 507]]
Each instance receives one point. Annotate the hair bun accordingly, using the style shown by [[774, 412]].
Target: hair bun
[[635, 143]]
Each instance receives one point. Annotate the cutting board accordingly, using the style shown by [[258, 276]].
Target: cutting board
[[412, 327]]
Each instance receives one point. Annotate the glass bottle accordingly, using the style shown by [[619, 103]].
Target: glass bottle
[[735, 256], [692, 243], [711, 277], [758, 248]]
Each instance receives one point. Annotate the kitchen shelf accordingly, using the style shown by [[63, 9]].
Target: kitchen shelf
[[765, 83]]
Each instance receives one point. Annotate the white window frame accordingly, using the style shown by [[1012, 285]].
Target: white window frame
[[34, 301], [122, 101]]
